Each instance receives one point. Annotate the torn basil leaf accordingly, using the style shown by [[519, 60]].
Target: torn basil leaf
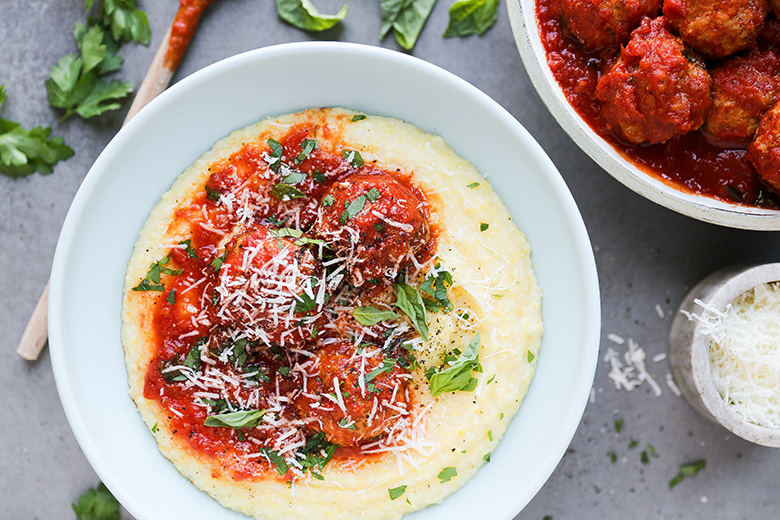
[[406, 18], [307, 147], [352, 209], [242, 419], [370, 315], [275, 157], [353, 157], [471, 17], [457, 376], [411, 303], [434, 292], [285, 192], [304, 15]]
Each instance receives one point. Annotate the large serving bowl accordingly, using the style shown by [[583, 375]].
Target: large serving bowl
[[522, 14], [147, 155]]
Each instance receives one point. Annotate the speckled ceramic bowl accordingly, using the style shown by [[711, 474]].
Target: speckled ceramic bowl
[[522, 14], [689, 349]]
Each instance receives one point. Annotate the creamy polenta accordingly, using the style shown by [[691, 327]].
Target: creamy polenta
[[330, 315]]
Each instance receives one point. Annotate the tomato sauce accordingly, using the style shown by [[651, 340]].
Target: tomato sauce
[[175, 332], [182, 30], [689, 162]]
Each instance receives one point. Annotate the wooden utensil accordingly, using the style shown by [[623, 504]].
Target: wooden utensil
[[157, 79]]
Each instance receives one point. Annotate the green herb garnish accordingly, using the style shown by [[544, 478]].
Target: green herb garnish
[[285, 192], [618, 425], [303, 15], [483, 226], [319, 177], [23, 152], [294, 177], [275, 157], [457, 376], [277, 460], [486, 458], [386, 366], [212, 194], [472, 185], [411, 303], [307, 147], [369, 315], [151, 281], [353, 157], [171, 297], [358, 117], [471, 17], [530, 356], [124, 20], [373, 194], [687, 470], [328, 200], [447, 473], [297, 237], [352, 209], [216, 264], [97, 504], [396, 492], [406, 18], [434, 292], [242, 419], [188, 248]]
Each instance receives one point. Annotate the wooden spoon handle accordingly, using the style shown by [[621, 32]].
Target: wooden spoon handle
[[157, 79]]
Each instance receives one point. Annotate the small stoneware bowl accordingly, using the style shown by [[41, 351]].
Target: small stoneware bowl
[[689, 349]]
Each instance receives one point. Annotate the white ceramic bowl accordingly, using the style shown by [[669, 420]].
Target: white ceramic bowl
[[145, 157], [522, 14]]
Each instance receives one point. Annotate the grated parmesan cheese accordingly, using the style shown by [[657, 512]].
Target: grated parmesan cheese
[[745, 352]]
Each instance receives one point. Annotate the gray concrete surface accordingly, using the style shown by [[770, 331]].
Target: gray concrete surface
[[647, 256]]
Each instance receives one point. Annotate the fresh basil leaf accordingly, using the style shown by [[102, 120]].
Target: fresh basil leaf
[[406, 18], [352, 209], [386, 366], [294, 177], [457, 376], [297, 236], [447, 473], [369, 315], [471, 17], [307, 147], [275, 157], [216, 264], [353, 157], [434, 292], [277, 460], [303, 15], [189, 249], [242, 419], [411, 303], [285, 192]]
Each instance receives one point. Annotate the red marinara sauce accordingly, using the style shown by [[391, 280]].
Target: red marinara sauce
[[269, 378], [182, 29], [689, 162]]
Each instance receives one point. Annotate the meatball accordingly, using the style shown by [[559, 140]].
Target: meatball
[[353, 395], [764, 150], [716, 28], [602, 23], [268, 288], [376, 222], [656, 89], [743, 88]]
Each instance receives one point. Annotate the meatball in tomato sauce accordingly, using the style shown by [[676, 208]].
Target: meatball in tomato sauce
[[716, 28], [656, 89], [764, 150], [376, 222], [602, 23], [351, 394], [743, 88], [263, 279]]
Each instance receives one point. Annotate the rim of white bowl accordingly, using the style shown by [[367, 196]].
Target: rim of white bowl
[[522, 15]]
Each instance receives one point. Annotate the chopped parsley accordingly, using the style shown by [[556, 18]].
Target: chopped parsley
[[613, 457], [154, 428], [319, 177], [373, 194], [277, 460], [97, 504], [151, 281], [530, 356], [316, 454], [687, 470], [618, 425], [396, 491], [483, 226], [358, 117], [172, 297], [369, 315], [633, 444], [457, 376], [347, 424], [472, 185], [386, 366], [486, 458], [328, 200], [305, 303], [241, 419], [447, 473]]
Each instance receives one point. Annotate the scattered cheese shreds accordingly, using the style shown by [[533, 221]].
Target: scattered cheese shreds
[[629, 371], [745, 352]]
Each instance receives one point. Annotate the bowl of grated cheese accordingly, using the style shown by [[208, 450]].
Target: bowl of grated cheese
[[724, 350]]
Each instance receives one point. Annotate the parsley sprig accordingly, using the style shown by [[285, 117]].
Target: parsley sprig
[[97, 504], [23, 152]]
